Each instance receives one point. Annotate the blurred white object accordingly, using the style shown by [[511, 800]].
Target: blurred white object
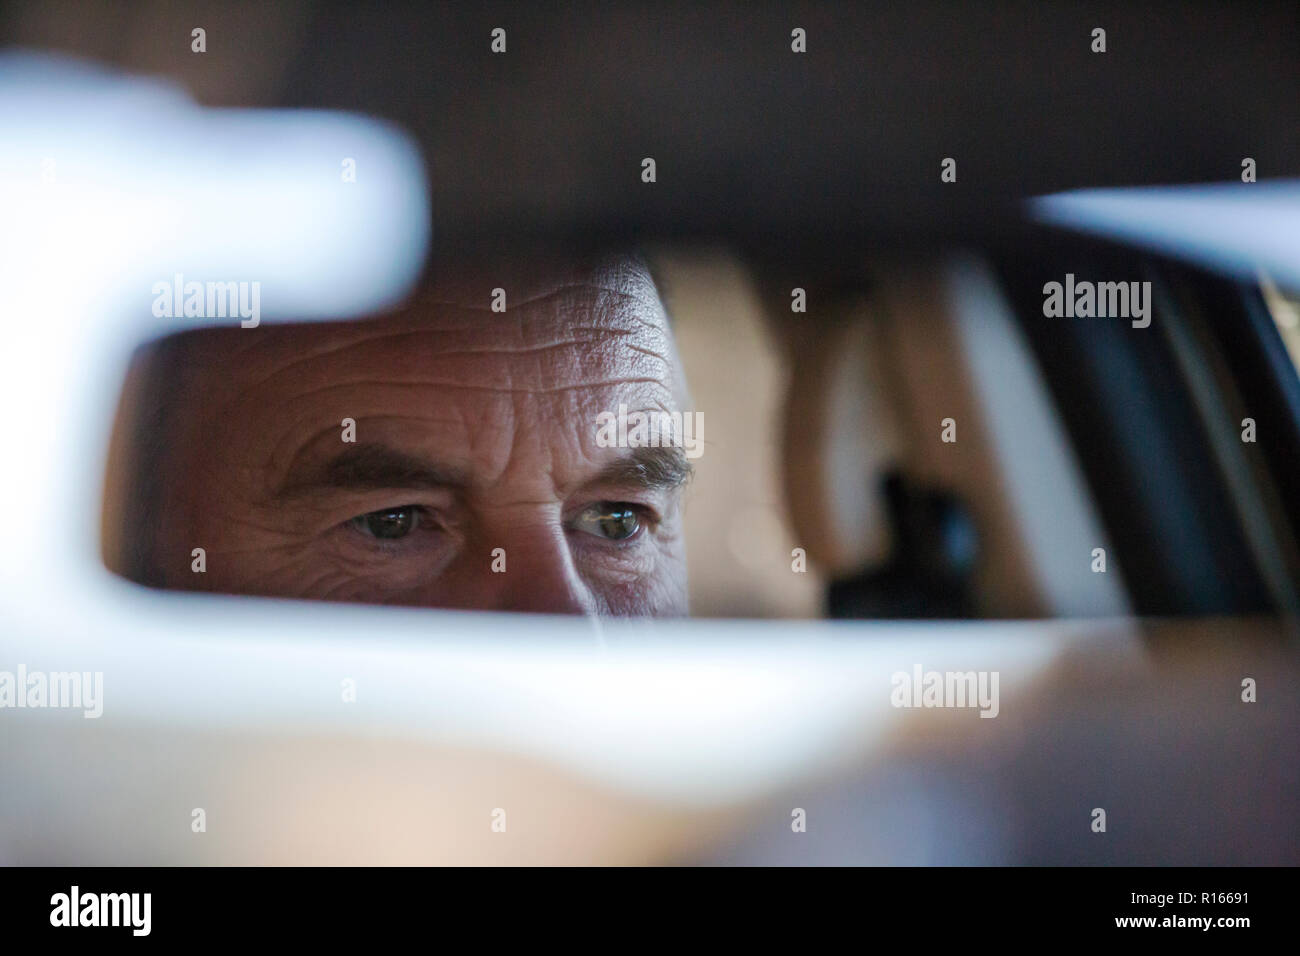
[[111, 184], [1237, 228]]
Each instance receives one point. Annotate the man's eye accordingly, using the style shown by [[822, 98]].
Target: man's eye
[[617, 522], [389, 523]]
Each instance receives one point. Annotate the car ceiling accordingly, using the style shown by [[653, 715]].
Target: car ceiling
[[753, 143]]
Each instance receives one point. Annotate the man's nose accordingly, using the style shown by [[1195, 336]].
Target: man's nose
[[540, 576]]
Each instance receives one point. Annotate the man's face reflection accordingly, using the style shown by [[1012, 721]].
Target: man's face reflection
[[475, 479]]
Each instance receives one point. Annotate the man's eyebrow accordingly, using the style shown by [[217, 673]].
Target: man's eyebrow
[[648, 467], [373, 466]]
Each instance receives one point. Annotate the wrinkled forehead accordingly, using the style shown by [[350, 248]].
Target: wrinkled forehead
[[620, 285], [601, 309]]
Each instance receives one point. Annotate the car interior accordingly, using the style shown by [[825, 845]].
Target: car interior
[[909, 461]]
